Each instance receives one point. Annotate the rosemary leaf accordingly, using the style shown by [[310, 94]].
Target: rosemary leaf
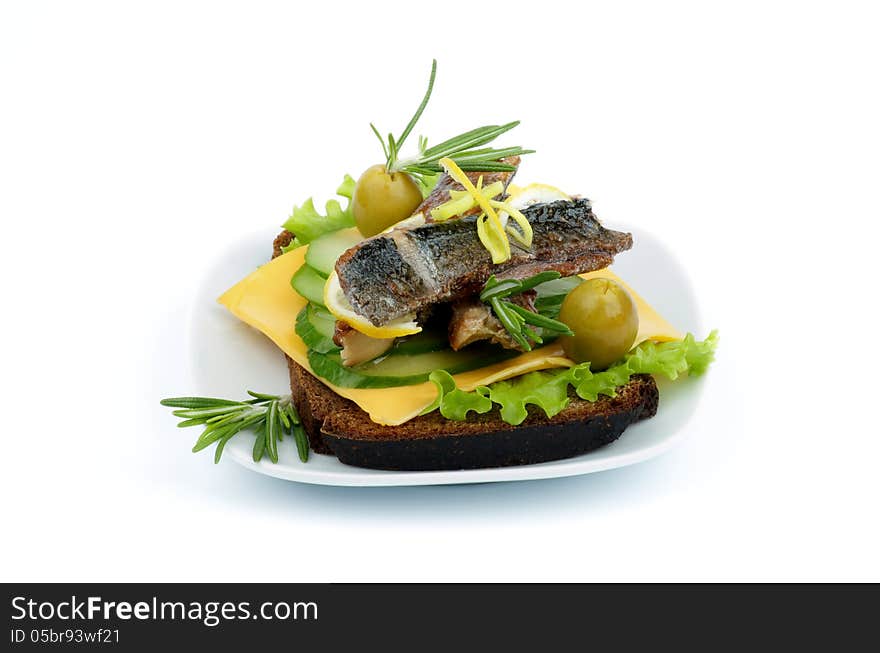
[[261, 396], [514, 317], [500, 289], [259, 442], [533, 335], [208, 412], [510, 322], [540, 278], [468, 140], [418, 113], [219, 420], [302, 442], [191, 422], [285, 420], [209, 436], [381, 140], [541, 320], [487, 155], [220, 445], [223, 419], [487, 166], [272, 432], [197, 402], [292, 412]]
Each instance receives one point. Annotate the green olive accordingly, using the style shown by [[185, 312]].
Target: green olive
[[604, 319], [382, 198]]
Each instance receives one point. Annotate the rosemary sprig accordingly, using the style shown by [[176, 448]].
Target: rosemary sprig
[[465, 149], [269, 416], [513, 317]]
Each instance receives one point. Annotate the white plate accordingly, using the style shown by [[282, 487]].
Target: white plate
[[230, 357]]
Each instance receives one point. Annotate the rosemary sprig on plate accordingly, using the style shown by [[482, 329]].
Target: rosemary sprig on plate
[[465, 149], [515, 318], [270, 416]]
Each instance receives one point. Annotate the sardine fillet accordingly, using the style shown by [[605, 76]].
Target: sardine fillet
[[398, 273], [472, 321]]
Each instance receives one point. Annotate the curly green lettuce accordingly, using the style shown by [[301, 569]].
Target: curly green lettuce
[[307, 224], [549, 389], [455, 403]]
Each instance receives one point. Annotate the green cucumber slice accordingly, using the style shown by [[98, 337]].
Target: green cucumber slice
[[316, 329], [324, 251], [308, 283], [401, 370], [421, 343], [423, 364], [322, 319]]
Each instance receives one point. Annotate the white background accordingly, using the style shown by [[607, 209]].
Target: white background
[[141, 139]]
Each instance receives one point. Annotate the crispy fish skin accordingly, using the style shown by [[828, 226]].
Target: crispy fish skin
[[398, 273]]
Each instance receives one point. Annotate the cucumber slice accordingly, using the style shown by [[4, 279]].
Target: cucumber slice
[[308, 283], [323, 320], [447, 359], [421, 343], [400, 370], [324, 251], [315, 329]]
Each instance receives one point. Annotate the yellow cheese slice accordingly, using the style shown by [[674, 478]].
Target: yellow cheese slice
[[266, 301]]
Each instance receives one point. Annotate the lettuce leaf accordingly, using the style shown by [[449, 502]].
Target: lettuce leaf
[[307, 224], [589, 385], [674, 358], [454, 403], [549, 389]]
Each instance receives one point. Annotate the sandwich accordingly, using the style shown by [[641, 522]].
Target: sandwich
[[448, 318]]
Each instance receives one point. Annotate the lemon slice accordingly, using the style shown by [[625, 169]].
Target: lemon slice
[[521, 197], [337, 304]]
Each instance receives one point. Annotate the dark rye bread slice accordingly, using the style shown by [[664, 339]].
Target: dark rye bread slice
[[431, 442], [338, 426], [281, 240]]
